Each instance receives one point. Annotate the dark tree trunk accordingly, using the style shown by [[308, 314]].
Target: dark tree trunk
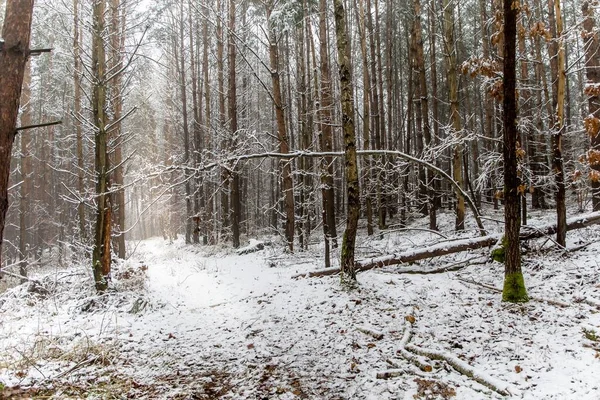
[[514, 285]]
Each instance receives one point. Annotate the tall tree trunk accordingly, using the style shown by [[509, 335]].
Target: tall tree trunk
[[197, 119], [326, 136], [347, 100], [557, 65], [16, 32], [186, 129], [287, 185], [117, 39], [367, 100], [514, 285], [451, 54], [233, 120], [26, 178], [424, 103], [592, 70], [225, 177], [207, 215], [434, 94], [77, 120], [101, 259]]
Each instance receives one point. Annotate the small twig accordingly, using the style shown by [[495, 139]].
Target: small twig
[[81, 364]]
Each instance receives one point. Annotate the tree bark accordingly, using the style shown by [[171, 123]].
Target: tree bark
[[348, 127], [16, 32], [77, 74], [225, 178], [117, 40], [101, 260], [26, 178], [514, 286], [424, 103], [186, 129], [557, 66], [326, 131], [367, 99], [454, 105], [233, 120], [287, 184]]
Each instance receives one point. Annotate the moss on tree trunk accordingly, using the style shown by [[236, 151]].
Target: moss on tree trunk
[[514, 290]]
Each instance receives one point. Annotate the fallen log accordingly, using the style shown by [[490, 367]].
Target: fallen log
[[456, 246]]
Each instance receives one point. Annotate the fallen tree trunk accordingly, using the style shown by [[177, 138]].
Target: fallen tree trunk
[[457, 246]]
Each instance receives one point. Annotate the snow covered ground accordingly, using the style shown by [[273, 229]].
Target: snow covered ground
[[189, 322]]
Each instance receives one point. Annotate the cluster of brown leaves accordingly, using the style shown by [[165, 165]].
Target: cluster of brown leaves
[[592, 157], [476, 66], [540, 29], [591, 125], [497, 90], [592, 89]]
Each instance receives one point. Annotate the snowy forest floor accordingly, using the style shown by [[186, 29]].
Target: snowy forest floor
[[193, 322]]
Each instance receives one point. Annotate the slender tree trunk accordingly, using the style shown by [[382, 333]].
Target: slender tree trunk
[[197, 120], [541, 160], [233, 120], [326, 136], [347, 99], [287, 184], [434, 94], [117, 40], [424, 102], [367, 99], [451, 54], [225, 177], [207, 215], [557, 66], [514, 285], [77, 121], [422, 206], [186, 129], [26, 178], [101, 259]]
